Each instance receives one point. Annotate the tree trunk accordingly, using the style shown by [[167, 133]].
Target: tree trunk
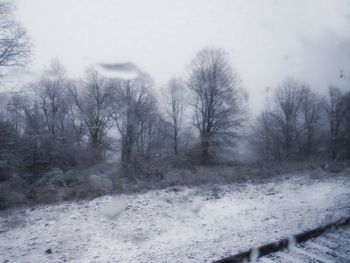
[[126, 153], [175, 142], [204, 150], [334, 149], [94, 140]]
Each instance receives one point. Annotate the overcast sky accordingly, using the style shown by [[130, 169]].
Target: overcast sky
[[267, 40]]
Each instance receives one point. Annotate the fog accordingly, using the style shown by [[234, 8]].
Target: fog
[[187, 131], [266, 40]]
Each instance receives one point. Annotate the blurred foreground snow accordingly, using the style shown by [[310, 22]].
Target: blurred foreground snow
[[198, 224], [111, 209]]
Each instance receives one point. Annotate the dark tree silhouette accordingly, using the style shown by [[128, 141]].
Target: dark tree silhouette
[[217, 103], [14, 43]]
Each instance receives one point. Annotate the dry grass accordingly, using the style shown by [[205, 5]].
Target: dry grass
[[110, 179]]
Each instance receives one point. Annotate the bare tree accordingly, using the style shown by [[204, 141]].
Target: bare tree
[[175, 100], [217, 103], [34, 121], [93, 102], [75, 119], [344, 109], [310, 111], [15, 112], [333, 113], [287, 101], [149, 128], [287, 128], [14, 42], [52, 97], [132, 103], [267, 137]]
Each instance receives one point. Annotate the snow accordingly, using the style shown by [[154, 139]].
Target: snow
[[191, 224], [114, 207]]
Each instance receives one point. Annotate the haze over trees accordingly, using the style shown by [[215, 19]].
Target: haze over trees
[[134, 113], [92, 100], [217, 105], [175, 101], [67, 125], [299, 124]]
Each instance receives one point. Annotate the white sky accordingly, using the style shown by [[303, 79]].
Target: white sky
[[266, 39]]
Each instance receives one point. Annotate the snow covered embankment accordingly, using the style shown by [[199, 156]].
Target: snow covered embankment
[[198, 224]]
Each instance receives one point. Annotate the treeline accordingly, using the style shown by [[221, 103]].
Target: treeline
[[65, 123], [56, 131], [299, 124]]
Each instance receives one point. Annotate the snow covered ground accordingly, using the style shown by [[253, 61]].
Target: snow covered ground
[[197, 224]]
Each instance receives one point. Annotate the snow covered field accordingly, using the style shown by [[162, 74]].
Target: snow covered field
[[198, 224]]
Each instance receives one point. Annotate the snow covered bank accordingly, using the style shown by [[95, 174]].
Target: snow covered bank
[[197, 224]]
